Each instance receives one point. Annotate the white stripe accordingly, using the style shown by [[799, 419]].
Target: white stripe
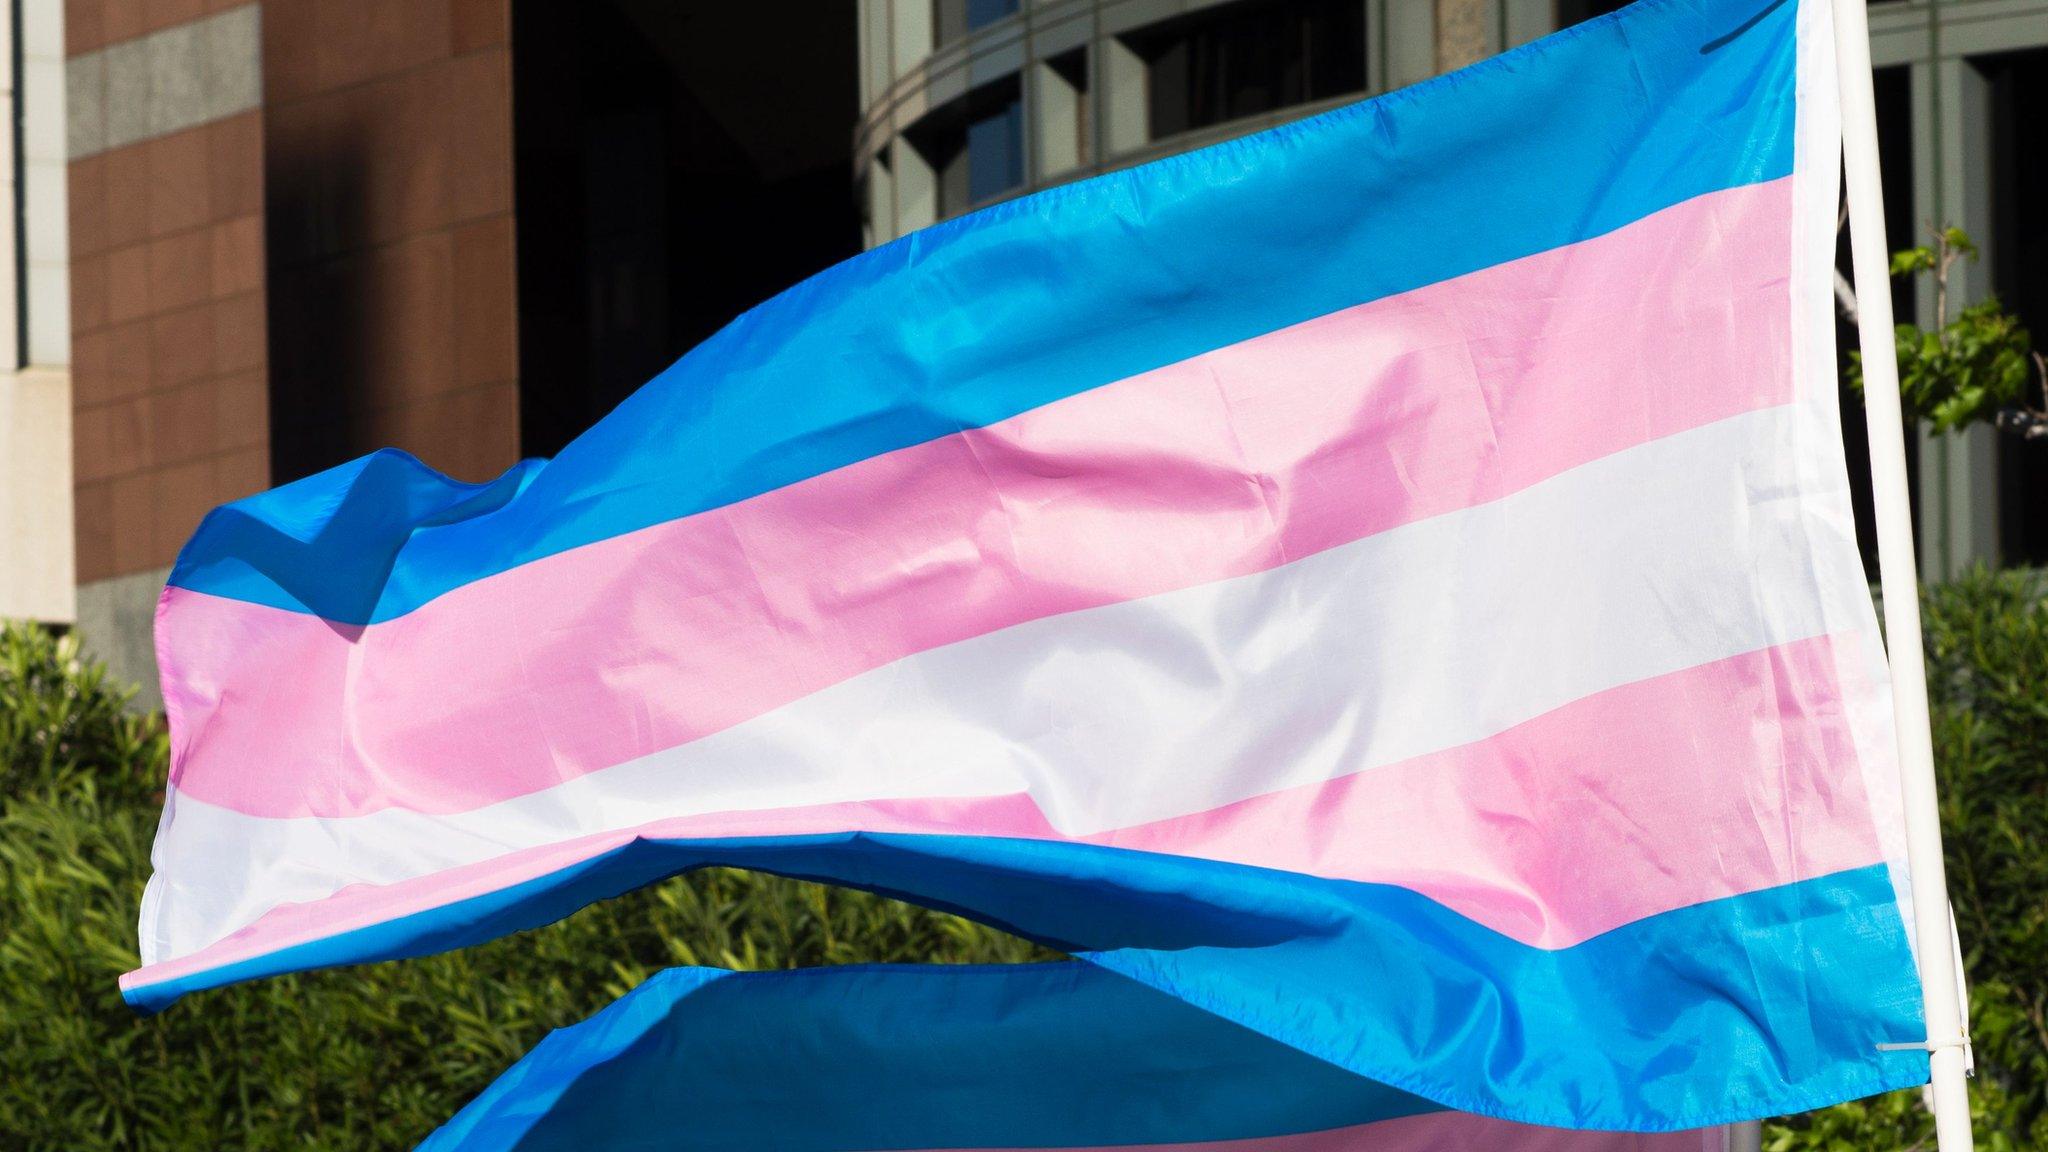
[[1859, 669], [1672, 554]]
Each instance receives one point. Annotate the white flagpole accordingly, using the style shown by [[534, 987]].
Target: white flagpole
[[1946, 1028]]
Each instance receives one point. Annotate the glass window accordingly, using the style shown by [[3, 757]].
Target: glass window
[[995, 153], [1239, 60], [1570, 12], [2019, 267], [952, 19], [974, 145], [984, 12]]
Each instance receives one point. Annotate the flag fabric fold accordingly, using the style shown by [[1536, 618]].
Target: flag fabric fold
[[1388, 582], [863, 1059]]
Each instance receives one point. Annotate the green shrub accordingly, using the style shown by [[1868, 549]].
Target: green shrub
[[375, 1057], [59, 717]]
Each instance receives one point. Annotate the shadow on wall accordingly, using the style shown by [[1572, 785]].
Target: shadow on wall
[[321, 315], [672, 166], [2019, 264], [675, 165], [117, 625]]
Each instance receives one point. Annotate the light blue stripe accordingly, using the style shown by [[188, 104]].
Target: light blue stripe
[[1011, 308], [1756, 1005], [857, 1058]]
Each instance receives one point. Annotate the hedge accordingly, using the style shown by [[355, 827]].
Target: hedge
[[374, 1057]]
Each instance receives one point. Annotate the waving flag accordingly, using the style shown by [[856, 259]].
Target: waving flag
[[860, 1058], [1388, 582]]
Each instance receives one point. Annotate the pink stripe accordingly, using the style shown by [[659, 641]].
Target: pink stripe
[[1440, 1132], [1722, 779], [1223, 465]]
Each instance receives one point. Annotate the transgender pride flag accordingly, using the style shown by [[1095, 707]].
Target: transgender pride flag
[[1387, 582]]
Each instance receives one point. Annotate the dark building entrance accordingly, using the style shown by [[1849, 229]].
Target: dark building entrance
[[2019, 270], [675, 165], [1570, 12], [1894, 92]]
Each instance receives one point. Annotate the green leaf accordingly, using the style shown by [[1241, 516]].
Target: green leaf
[[1910, 260], [1964, 373]]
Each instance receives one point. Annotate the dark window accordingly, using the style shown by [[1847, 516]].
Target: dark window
[[975, 145], [864, 203], [1895, 148], [665, 184], [1570, 12], [952, 19], [995, 153], [981, 12], [2019, 270], [1255, 56]]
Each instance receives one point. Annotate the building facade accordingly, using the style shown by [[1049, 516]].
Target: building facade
[[293, 238], [37, 577], [289, 242], [968, 102], [249, 239]]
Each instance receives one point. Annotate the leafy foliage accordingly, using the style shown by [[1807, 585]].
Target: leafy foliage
[[1967, 371], [374, 1057], [1970, 369], [364, 1058], [59, 717]]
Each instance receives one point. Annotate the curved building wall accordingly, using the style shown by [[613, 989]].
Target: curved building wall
[[967, 102]]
